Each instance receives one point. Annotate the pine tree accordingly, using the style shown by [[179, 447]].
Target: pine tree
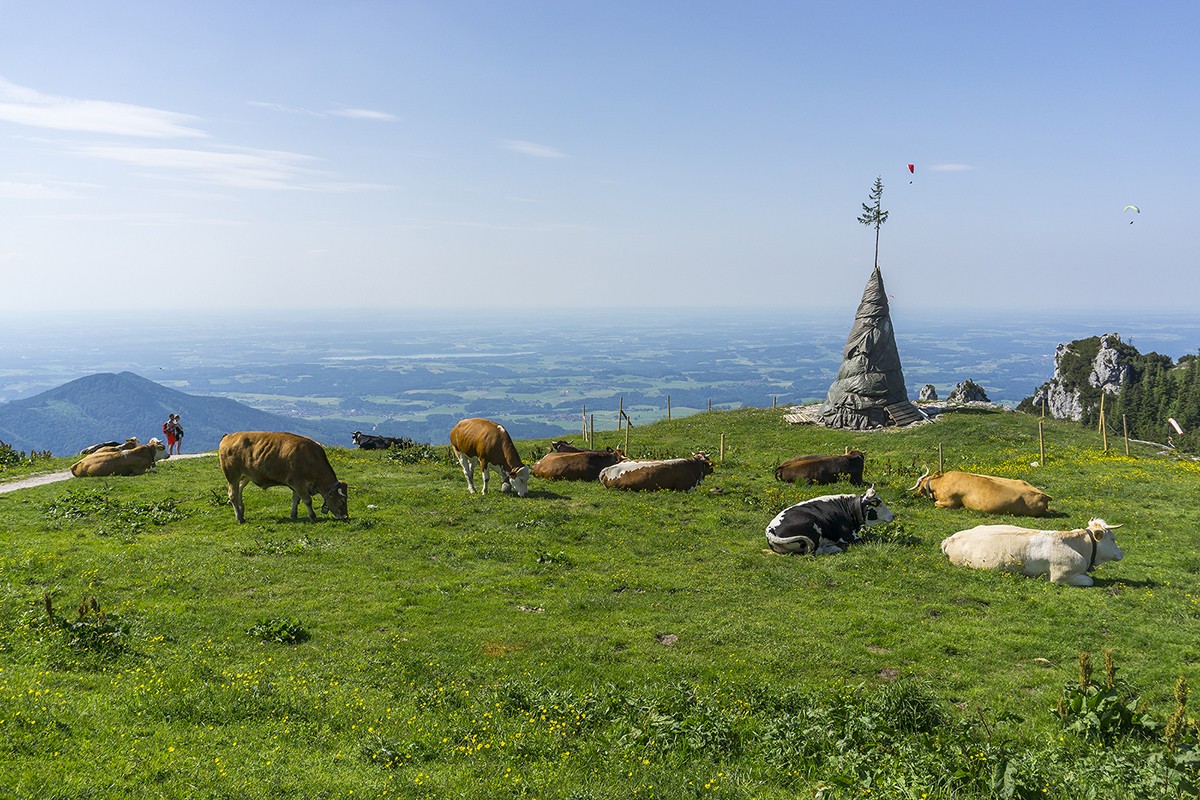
[[874, 215]]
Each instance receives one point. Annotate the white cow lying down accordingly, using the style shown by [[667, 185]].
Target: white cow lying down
[[1066, 556]]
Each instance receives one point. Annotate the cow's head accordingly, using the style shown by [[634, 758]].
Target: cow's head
[[922, 487], [517, 482], [357, 437], [874, 511], [337, 501], [1102, 537]]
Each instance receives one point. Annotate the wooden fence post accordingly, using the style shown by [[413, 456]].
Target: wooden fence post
[[620, 411], [722, 447], [941, 468], [584, 421], [592, 431], [1103, 426], [710, 404], [1125, 431], [1041, 444], [668, 408]]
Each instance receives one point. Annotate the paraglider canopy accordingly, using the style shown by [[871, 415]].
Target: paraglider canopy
[[1135, 209], [912, 168]]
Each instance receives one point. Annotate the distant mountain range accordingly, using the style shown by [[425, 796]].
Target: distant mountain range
[[109, 406]]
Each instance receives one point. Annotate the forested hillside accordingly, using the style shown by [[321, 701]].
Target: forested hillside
[[111, 406], [1142, 390]]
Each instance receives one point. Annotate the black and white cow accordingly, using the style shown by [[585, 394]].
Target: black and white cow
[[366, 441], [826, 524]]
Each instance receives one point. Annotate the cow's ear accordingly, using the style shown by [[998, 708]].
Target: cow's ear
[[1098, 536]]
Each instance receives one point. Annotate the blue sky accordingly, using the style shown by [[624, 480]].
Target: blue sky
[[272, 155]]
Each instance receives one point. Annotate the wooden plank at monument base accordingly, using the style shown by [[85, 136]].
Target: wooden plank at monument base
[[803, 415], [904, 413]]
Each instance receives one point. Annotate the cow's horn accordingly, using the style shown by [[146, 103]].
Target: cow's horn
[[917, 485]]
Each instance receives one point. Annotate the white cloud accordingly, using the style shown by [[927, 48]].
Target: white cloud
[[244, 169], [365, 113], [532, 149], [30, 107], [35, 191]]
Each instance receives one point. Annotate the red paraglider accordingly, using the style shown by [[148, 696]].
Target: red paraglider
[[912, 170]]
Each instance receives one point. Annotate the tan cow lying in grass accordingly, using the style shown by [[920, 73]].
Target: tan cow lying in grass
[[1065, 556], [983, 493], [107, 462]]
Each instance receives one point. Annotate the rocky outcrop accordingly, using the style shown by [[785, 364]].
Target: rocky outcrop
[[968, 391], [928, 394], [1100, 363]]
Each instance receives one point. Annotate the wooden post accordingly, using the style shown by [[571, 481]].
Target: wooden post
[[710, 404], [1103, 427], [1125, 431], [1043, 406], [620, 411], [940, 467], [626, 438], [1041, 445], [584, 433], [592, 430], [774, 402], [722, 447], [668, 407]]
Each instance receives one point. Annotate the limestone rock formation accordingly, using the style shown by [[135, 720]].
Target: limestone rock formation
[[968, 391], [1107, 371]]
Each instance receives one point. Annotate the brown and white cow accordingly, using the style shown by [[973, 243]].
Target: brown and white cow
[[983, 493], [1065, 556], [675, 474], [823, 469], [483, 443], [128, 444], [281, 459], [582, 465], [105, 462]]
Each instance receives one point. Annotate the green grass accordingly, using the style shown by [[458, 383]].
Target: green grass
[[582, 642]]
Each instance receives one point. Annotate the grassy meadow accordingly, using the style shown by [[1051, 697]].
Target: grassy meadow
[[587, 643]]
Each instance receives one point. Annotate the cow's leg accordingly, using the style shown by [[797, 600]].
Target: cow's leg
[[468, 469], [235, 498], [483, 470], [1071, 578], [297, 496]]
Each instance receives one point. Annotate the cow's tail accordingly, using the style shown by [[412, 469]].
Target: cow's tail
[[791, 545]]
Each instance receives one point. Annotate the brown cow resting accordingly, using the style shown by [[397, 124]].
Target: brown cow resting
[[983, 493], [823, 469], [584, 465], [106, 462], [486, 444], [281, 459], [676, 474]]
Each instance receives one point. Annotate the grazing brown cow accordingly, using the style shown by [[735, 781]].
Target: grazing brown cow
[[676, 474], [584, 465], [281, 459], [983, 493], [106, 462], [823, 469], [486, 444]]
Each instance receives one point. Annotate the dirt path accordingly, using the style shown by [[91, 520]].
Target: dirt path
[[55, 477]]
